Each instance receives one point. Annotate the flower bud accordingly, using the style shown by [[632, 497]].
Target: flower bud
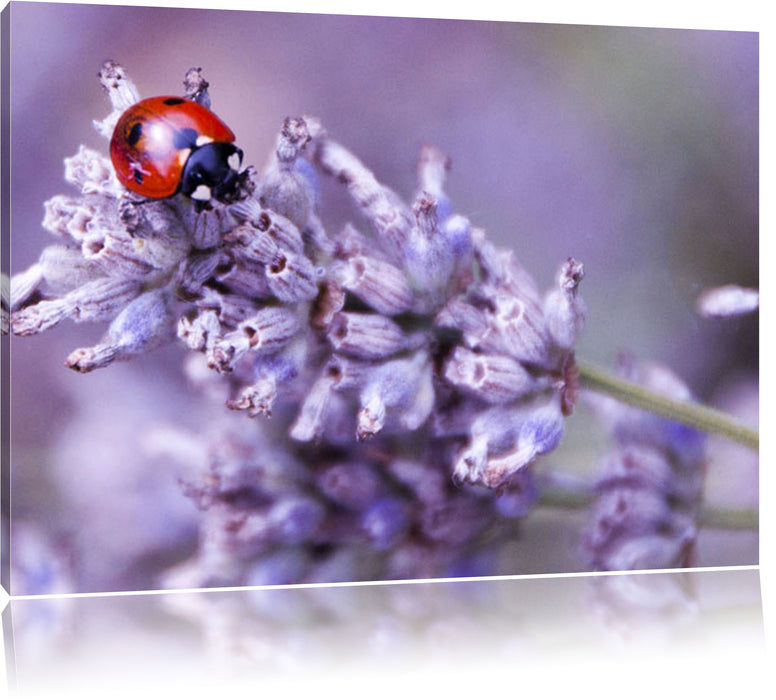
[[628, 511], [121, 91], [454, 521], [277, 227], [517, 498], [426, 482], [253, 243], [403, 386], [268, 330], [386, 212], [24, 284], [242, 277], [200, 332], [143, 324], [290, 186], [257, 399], [294, 519], [503, 442], [492, 378], [330, 300], [564, 309], [96, 300], [366, 336], [310, 421], [194, 271], [92, 173], [386, 522], [515, 327], [292, 277], [377, 283], [353, 485]]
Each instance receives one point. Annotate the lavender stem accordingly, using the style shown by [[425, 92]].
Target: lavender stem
[[569, 496], [692, 414]]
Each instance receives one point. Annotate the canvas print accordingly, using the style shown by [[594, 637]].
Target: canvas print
[[299, 298]]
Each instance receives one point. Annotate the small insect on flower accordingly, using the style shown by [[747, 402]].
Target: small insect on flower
[[165, 145]]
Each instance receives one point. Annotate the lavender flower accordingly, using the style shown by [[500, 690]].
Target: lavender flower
[[386, 360], [649, 490]]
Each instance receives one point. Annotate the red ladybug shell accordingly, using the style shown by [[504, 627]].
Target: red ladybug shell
[[154, 138]]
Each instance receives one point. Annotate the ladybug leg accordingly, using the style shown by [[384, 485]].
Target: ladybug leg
[[201, 205]]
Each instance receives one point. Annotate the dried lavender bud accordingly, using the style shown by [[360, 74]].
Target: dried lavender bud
[[504, 441], [281, 230], [253, 244], [492, 378], [292, 278], [366, 336], [121, 91], [433, 166], [268, 330], [501, 269], [429, 260], [95, 300], [515, 327], [376, 282], [92, 173], [257, 399], [391, 219], [290, 186], [309, 424], [24, 284], [241, 277], [142, 325], [401, 386], [195, 87], [652, 551], [330, 300], [68, 217], [564, 308], [201, 332], [624, 509], [194, 271]]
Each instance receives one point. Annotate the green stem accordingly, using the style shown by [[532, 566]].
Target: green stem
[[695, 415], [710, 517]]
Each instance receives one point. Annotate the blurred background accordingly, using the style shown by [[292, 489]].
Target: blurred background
[[634, 150]]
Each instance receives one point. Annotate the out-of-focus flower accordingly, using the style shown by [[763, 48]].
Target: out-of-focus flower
[[650, 486], [728, 300]]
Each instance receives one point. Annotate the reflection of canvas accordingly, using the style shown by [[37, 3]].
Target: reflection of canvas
[[342, 373], [312, 637]]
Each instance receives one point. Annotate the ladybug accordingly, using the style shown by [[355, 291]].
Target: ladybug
[[165, 145]]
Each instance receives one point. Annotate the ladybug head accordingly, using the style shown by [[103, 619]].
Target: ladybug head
[[212, 172]]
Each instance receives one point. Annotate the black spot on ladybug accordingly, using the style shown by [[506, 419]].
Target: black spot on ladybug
[[138, 176], [135, 133], [174, 101], [184, 138]]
